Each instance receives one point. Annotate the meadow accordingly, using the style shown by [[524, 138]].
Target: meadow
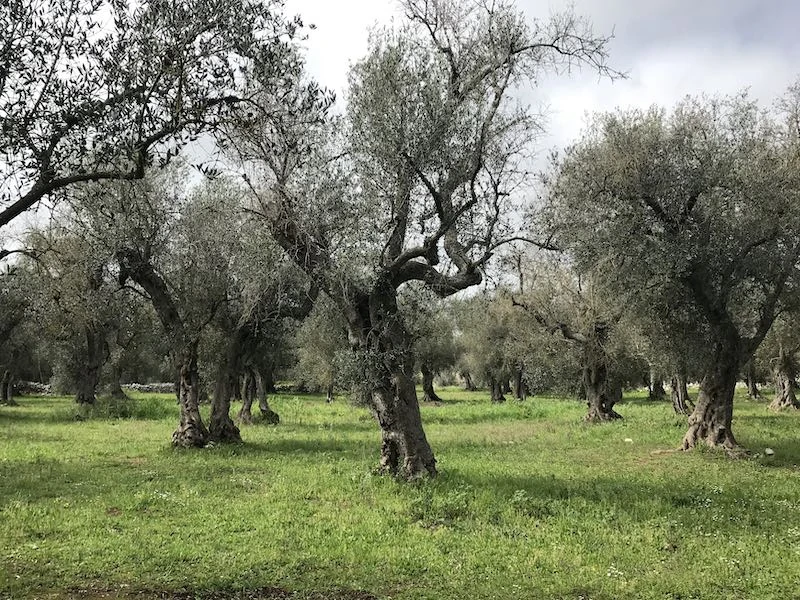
[[530, 503]]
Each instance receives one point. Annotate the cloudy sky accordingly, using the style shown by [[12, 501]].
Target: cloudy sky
[[669, 48]]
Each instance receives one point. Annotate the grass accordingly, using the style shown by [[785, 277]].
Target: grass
[[531, 503]]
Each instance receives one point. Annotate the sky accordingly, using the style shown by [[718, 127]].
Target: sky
[[668, 48]]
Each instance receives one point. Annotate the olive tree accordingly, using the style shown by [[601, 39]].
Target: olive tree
[[95, 90], [417, 186], [692, 215]]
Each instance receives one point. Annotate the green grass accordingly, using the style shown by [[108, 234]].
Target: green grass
[[530, 503]]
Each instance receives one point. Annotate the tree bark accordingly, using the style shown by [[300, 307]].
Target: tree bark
[[496, 389], [221, 428], [89, 373], [468, 383], [711, 419], [7, 389], [657, 391], [601, 396], [191, 431], [115, 385], [267, 414], [680, 394], [751, 380], [427, 385], [377, 330], [785, 377], [519, 387], [329, 394]]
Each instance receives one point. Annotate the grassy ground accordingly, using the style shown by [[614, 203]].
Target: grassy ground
[[531, 503]]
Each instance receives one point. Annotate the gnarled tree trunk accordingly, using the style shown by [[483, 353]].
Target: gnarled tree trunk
[[711, 419], [262, 388], [785, 377], [657, 391], [518, 385], [329, 394], [191, 431], [468, 383], [496, 390], [751, 380], [376, 328], [89, 373], [601, 396], [681, 403], [427, 385], [7, 389]]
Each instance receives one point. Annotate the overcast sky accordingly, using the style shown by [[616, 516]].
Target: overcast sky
[[669, 48]]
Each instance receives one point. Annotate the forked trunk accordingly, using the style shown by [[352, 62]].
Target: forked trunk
[[191, 431], [496, 389], [681, 403], [248, 386], [601, 396], [427, 385], [711, 419], [785, 376]]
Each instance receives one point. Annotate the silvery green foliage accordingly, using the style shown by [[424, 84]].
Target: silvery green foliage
[[690, 216], [101, 89]]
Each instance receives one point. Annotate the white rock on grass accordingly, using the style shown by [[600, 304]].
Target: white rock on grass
[[769, 451]]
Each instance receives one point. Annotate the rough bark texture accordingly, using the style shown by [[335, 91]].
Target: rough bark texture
[[221, 427], [427, 385], [657, 391], [496, 390], [376, 329], [115, 385], [518, 385], [267, 414], [89, 373], [751, 380], [191, 431], [7, 389], [680, 395], [785, 377], [468, 383], [711, 419], [601, 396], [329, 397]]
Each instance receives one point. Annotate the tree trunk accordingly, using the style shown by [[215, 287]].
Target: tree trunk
[[376, 328], [520, 389], [89, 374], [468, 383], [7, 389], [657, 391], [751, 380], [245, 415], [711, 419], [115, 385], [496, 389], [601, 396], [785, 377], [221, 428], [329, 394], [191, 432], [680, 394], [427, 385], [267, 414]]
